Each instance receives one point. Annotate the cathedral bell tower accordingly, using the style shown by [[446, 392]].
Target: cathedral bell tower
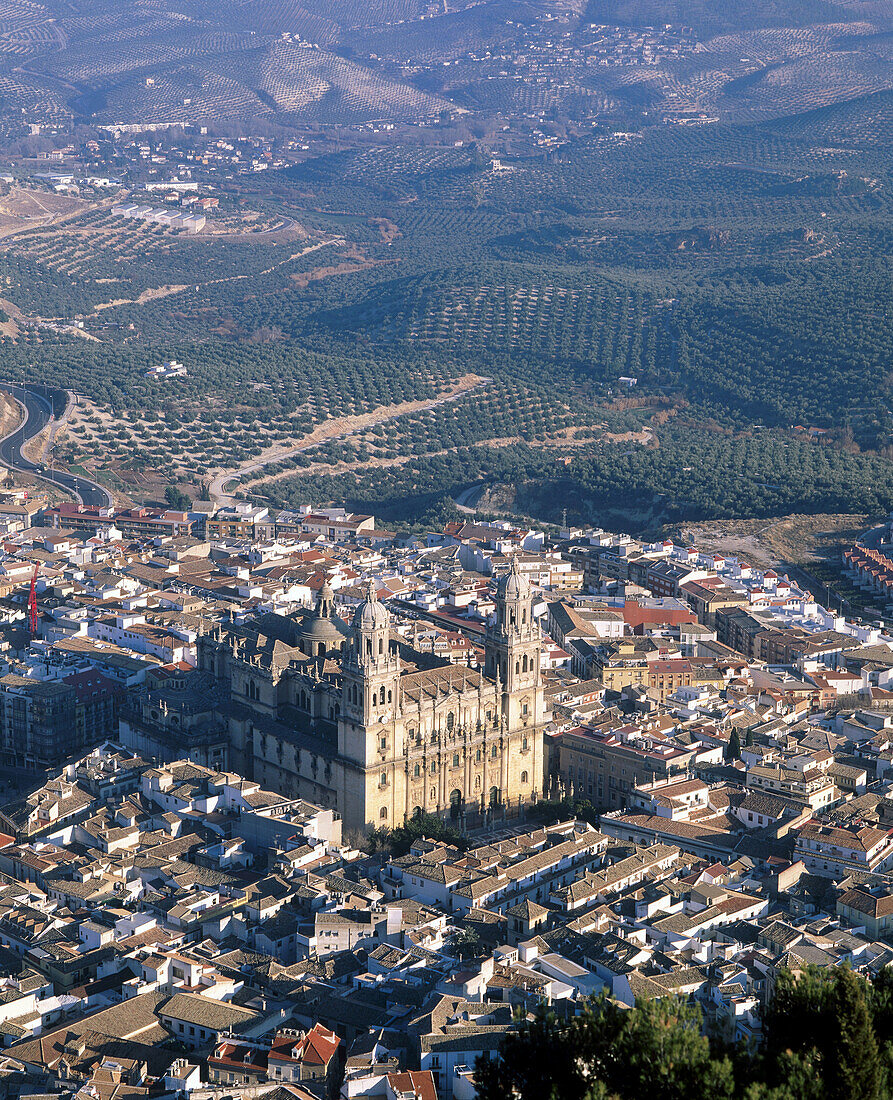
[[369, 689], [513, 650]]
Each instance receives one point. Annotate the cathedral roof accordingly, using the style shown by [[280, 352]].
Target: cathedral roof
[[273, 652], [434, 682]]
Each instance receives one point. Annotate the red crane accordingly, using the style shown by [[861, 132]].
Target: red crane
[[32, 603]]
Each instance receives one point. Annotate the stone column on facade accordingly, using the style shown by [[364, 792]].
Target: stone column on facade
[[406, 782], [467, 788]]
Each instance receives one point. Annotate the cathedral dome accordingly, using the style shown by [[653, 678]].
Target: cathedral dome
[[371, 614], [323, 631], [514, 585], [316, 631]]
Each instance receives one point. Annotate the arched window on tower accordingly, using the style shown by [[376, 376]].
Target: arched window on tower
[[524, 777], [451, 720], [416, 771]]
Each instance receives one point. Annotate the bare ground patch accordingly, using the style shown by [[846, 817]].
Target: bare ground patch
[[10, 415], [787, 540], [149, 295], [357, 261]]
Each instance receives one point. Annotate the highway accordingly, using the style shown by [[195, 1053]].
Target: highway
[[41, 404]]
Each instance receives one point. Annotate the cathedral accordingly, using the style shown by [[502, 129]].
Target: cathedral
[[353, 718]]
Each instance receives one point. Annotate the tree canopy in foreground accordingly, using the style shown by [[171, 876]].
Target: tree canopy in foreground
[[827, 1035]]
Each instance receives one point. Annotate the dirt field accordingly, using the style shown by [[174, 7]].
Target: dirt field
[[149, 295], [786, 541], [356, 261], [23, 208], [388, 230]]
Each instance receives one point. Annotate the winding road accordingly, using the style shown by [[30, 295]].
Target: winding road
[[41, 404]]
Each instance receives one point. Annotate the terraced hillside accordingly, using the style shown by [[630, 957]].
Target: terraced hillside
[[627, 259]]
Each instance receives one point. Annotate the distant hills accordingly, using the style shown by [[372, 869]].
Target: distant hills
[[346, 62]]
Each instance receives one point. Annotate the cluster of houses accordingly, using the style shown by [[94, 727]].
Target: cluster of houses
[[690, 791]]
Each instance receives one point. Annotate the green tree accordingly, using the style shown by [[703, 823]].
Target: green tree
[[825, 1015], [734, 750], [176, 498], [854, 1071], [399, 840], [655, 1052]]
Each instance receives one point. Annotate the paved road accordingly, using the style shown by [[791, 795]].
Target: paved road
[[466, 501], [40, 405]]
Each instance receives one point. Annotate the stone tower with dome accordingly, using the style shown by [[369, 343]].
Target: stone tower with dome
[[350, 717]]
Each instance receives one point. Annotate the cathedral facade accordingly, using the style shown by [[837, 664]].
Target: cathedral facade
[[350, 718]]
